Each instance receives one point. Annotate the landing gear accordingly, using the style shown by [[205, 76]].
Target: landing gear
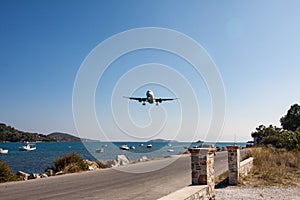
[[157, 103], [143, 103]]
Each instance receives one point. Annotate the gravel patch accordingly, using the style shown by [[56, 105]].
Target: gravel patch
[[255, 193]]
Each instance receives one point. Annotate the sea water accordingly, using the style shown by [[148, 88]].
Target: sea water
[[47, 152]]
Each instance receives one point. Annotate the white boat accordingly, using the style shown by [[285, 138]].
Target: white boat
[[27, 147], [141, 145], [149, 145], [132, 147], [169, 145], [170, 150], [99, 150], [124, 147], [3, 151]]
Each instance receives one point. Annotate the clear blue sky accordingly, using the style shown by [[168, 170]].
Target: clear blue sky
[[254, 44]]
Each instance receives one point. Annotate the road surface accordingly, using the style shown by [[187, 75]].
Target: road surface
[[111, 183]]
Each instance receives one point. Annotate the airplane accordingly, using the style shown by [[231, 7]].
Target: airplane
[[150, 98]]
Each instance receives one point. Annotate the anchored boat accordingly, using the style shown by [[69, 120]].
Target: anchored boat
[[124, 147], [3, 151], [27, 147]]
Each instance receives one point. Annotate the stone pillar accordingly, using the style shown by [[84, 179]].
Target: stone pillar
[[233, 164], [203, 168]]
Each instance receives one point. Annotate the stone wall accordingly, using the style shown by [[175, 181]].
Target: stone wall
[[246, 166], [195, 192], [203, 169], [203, 177], [203, 173], [235, 167], [233, 164]]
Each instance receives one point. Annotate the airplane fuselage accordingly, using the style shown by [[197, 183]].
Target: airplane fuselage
[[150, 97]]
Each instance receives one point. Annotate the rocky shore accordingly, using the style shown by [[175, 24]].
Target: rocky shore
[[120, 160]]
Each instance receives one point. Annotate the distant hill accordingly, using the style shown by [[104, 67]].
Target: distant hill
[[63, 137], [162, 140], [10, 134]]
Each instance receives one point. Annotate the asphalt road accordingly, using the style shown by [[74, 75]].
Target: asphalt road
[[112, 183]]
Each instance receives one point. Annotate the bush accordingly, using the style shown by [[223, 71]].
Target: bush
[[101, 165], [6, 173], [70, 163], [277, 137]]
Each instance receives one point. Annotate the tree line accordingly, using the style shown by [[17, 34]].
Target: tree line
[[287, 136], [10, 134]]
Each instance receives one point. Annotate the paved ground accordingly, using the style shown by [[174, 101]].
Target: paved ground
[[257, 193], [111, 183]]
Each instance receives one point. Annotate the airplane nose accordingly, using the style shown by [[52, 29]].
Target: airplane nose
[[149, 92]]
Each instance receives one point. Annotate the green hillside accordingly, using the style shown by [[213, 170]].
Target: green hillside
[[63, 137], [10, 134]]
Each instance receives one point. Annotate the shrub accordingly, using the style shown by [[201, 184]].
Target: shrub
[[6, 173], [72, 168], [101, 165], [70, 163]]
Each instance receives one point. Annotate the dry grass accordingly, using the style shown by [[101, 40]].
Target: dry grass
[[274, 167]]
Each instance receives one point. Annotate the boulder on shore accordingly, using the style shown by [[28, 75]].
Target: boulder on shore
[[119, 161], [23, 175], [50, 172], [143, 159], [34, 176], [59, 173], [92, 165], [44, 175]]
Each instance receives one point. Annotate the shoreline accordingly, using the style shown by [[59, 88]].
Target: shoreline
[[116, 168], [47, 152]]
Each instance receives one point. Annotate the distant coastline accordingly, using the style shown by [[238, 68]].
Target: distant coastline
[[161, 140], [11, 134]]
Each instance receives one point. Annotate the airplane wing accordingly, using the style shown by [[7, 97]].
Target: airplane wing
[[164, 99], [139, 99]]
